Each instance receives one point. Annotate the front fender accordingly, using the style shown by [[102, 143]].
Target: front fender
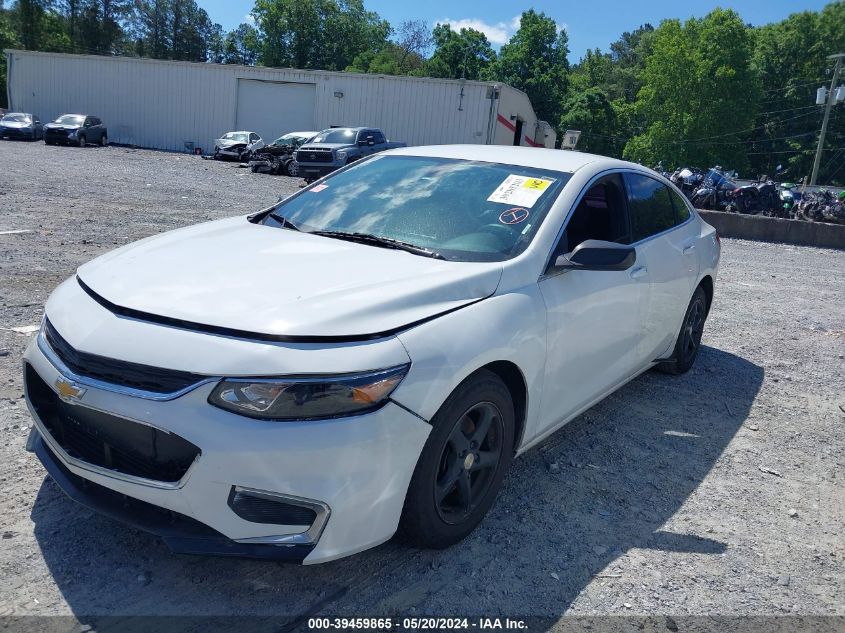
[[508, 327]]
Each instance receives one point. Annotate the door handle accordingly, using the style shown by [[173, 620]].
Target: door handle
[[688, 249], [639, 272]]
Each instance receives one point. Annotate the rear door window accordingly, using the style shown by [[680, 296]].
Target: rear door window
[[649, 206], [680, 204]]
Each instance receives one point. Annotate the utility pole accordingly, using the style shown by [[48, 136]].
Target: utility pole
[[831, 97]]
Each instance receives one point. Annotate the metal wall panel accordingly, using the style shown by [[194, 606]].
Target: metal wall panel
[[164, 104]]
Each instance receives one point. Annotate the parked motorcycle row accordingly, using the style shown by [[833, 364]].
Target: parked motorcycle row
[[717, 190]]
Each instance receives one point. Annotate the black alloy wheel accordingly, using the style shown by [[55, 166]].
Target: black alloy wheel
[[688, 343], [468, 462], [462, 464]]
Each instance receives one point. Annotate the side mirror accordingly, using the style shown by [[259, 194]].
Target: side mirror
[[597, 255]]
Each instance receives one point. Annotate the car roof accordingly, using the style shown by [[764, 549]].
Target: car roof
[[538, 157], [306, 133]]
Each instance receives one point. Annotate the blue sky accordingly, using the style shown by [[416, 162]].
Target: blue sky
[[589, 25]]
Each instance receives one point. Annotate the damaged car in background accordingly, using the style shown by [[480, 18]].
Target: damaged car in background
[[237, 145], [333, 148], [76, 129], [366, 356], [22, 125], [277, 157]]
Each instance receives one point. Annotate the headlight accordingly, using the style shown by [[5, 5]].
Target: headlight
[[73, 133], [341, 155], [307, 398]]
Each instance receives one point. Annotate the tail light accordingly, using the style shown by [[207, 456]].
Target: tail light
[[718, 239]]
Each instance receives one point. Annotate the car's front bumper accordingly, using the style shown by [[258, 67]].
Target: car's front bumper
[[310, 170], [14, 132], [358, 467]]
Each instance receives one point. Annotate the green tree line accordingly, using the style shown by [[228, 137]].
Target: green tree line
[[705, 91]]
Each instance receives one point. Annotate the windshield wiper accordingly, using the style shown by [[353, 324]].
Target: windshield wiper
[[286, 224], [384, 242]]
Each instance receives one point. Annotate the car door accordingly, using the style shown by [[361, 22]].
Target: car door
[[366, 142], [661, 229], [593, 317]]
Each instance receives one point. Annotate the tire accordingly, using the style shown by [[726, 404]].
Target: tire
[[464, 472], [82, 140], [292, 168], [48, 142], [104, 141], [689, 338]]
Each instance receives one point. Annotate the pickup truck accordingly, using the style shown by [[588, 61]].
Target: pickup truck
[[333, 148]]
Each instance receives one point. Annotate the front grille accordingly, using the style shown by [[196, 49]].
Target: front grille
[[56, 132], [118, 372], [263, 510], [314, 156], [109, 441]]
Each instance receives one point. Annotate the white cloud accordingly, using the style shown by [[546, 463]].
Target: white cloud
[[498, 33], [249, 19]]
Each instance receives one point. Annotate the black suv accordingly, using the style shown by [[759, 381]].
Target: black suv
[[76, 129]]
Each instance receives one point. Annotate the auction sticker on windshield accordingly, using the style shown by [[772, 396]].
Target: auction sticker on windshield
[[521, 191]]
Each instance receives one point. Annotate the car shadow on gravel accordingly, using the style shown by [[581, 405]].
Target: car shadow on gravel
[[574, 511]]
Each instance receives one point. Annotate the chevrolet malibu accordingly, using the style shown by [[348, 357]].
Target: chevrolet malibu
[[366, 356]]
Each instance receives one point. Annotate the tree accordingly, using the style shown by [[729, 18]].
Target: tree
[[700, 93], [466, 53], [172, 29], [534, 61], [325, 34], [791, 57], [8, 39], [591, 112], [241, 46]]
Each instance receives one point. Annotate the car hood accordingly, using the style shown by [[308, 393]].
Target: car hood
[[15, 124], [306, 148], [228, 142], [59, 126], [264, 280]]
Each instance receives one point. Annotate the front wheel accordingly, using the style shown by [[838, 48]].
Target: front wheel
[[81, 140], [689, 338], [461, 467], [104, 140], [292, 168]]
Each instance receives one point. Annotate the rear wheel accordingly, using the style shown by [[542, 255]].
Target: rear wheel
[[689, 338], [461, 467]]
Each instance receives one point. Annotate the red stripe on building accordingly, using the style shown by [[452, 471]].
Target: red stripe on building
[[506, 123], [512, 128]]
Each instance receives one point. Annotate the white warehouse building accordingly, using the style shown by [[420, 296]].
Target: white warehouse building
[[175, 105]]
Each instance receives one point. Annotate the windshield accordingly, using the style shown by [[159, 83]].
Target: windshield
[[241, 137], [719, 180], [463, 210], [289, 139], [335, 136], [71, 119], [17, 117]]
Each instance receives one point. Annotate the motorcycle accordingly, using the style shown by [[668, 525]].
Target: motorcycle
[[687, 180], [715, 192]]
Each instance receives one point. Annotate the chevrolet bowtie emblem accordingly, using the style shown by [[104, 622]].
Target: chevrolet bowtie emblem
[[67, 390]]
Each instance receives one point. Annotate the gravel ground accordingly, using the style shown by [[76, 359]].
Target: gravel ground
[[720, 492]]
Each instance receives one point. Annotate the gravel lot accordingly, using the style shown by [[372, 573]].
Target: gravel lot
[[721, 492]]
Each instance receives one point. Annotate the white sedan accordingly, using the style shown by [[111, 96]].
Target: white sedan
[[237, 145], [367, 355]]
